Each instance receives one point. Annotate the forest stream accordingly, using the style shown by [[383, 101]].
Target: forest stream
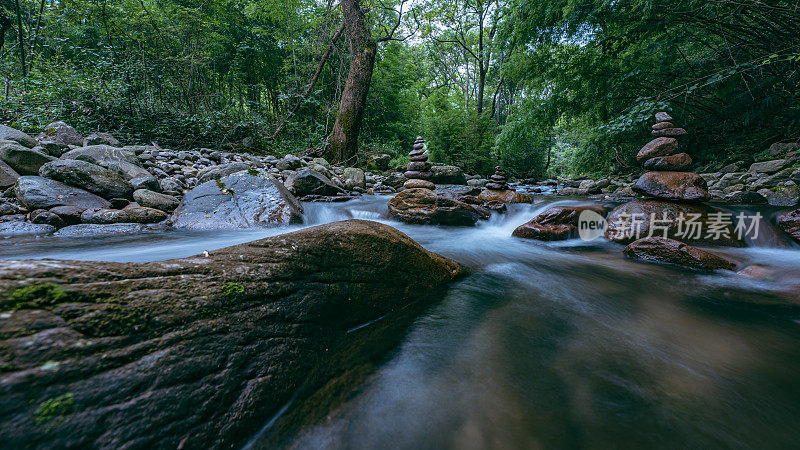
[[545, 345]]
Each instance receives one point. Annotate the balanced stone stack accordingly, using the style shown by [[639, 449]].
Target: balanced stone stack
[[667, 178], [419, 169], [499, 181]]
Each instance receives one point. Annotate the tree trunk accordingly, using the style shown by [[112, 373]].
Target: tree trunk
[[343, 141], [21, 36]]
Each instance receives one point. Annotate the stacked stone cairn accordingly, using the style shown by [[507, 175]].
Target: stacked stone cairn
[[667, 178], [675, 194], [499, 181], [418, 170]]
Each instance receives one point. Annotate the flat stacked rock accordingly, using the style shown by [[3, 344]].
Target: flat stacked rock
[[498, 190], [667, 178], [418, 170], [499, 181]]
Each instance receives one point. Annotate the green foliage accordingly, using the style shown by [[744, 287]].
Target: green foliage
[[54, 408]]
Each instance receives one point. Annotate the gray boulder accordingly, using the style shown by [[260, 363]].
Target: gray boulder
[[92, 229], [99, 154], [134, 214], [61, 133], [150, 183], [310, 182], [12, 134], [10, 229], [100, 138], [155, 200], [354, 177], [8, 176], [26, 161], [770, 167], [223, 170], [53, 149], [448, 175], [44, 193], [240, 200], [782, 195], [91, 177]]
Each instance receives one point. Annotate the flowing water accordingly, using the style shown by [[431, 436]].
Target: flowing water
[[549, 345]]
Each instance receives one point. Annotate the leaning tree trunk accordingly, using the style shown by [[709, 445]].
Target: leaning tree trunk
[[343, 141]]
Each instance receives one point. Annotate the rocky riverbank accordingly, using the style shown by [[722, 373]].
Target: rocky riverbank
[[200, 352]]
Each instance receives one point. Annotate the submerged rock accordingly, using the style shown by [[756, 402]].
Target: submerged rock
[[688, 222], [424, 206], [200, 352], [240, 200], [670, 251]]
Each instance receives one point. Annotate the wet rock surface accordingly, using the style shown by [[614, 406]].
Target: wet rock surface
[[424, 206], [200, 352], [240, 200], [670, 251]]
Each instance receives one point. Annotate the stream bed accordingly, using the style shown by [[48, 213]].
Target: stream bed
[[546, 345]]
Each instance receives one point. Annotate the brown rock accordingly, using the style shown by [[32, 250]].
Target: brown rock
[[662, 125], [566, 215], [790, 223], [662, 146], [417, 174], [556, 223], [685, 186], [663, 117], [544, 232], [199, 352], [424, 206], [669, 132], [505, 196], [672, 162], [417, 183], [668, 215], [670, 251]]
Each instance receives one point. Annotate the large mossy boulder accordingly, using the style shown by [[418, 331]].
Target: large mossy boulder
[[240, 200], [201, 352]]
